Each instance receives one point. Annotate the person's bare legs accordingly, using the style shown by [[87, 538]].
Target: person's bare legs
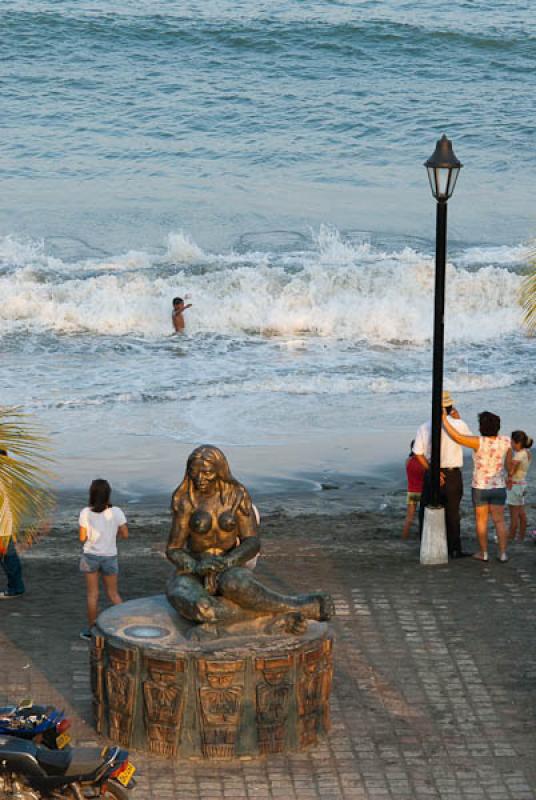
[[481, 519], [92, 587], [410, 513], [497, 515], [514, 521], [110, 587]]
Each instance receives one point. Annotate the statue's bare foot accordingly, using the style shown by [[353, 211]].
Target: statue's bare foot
[[292, 622], [327, 606], [317, 605]]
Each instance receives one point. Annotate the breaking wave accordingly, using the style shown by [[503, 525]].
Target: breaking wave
[[337, 289]]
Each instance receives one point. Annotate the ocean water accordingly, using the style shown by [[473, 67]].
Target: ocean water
[[264, 160]]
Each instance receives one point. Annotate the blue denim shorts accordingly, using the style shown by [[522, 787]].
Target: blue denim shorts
[[516, 495], [489, 497], [107, 565]]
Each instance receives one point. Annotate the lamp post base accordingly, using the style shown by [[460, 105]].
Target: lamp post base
[[434, 537]]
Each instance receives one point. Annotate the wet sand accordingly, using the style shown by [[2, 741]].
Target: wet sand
[[140, 468]]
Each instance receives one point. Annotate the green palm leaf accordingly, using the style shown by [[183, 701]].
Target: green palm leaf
[[25, 495], [528, 295]]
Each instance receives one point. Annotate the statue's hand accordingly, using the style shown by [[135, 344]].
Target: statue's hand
[[182, 561], [210, 564]]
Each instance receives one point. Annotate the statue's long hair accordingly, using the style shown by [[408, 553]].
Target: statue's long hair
[[227, 484]]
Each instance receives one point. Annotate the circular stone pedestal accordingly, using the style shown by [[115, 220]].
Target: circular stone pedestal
[[179, 690]]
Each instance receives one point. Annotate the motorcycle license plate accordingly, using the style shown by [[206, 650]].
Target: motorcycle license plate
[[63, 740], [126, 774]]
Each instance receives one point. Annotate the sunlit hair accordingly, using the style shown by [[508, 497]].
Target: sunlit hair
[[99, 495], [520, 437], [489, 424]]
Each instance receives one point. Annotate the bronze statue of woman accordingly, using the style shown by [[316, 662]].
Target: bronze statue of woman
[[213, 535]]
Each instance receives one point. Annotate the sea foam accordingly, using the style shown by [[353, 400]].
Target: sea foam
[[338, 290]]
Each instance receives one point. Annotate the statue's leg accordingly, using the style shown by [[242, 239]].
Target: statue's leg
[[189, 597], [240, 586]]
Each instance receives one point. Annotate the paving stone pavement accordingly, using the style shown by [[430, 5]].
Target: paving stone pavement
[[435, 668]]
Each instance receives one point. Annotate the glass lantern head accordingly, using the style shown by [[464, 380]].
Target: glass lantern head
[[443, 169]]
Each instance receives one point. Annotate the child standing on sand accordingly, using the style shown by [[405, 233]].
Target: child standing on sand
[[415, 476], [100, 525], [517, 483]]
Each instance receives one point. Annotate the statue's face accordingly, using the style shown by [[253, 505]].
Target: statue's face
[[203, 475]]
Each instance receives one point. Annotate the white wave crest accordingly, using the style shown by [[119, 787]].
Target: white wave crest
[[337, 290], [497, 256], [182, 250], [24, 253]]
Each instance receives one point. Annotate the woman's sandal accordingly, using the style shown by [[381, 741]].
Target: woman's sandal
[[481, 556]]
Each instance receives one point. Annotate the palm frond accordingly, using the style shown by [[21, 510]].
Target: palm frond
[[26, 498], [528, 294], [528, 301]]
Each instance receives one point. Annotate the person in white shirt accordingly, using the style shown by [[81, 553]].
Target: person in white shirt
[[100, 526], [451, 483]]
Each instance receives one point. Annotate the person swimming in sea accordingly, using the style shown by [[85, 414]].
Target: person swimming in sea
[[176, 315]]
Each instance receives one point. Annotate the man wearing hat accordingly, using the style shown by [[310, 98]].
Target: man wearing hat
[[451, 484]]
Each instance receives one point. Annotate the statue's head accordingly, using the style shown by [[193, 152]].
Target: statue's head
[[207, 468]]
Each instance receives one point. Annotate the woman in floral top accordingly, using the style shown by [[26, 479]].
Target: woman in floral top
[[492, 456]]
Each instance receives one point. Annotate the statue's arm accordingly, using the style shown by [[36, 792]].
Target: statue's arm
[[245, 551], [250, 543], [178, 537]]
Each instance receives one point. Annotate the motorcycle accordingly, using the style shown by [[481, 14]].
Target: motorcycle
[[32, 772], [40, 724]]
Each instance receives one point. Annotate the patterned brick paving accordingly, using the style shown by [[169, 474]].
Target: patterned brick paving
[[435, 667]]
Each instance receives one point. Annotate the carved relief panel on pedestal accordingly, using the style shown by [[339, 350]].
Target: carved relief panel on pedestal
[[121, 691], [96, 661], [220, 699], [314, 682], [273, 702], [163, 695]]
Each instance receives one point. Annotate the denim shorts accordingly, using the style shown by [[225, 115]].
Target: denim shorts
[[107, 565], [489, 497], [516, 495]]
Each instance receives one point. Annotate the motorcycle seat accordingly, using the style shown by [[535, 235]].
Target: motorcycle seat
[[81, 761], [54, 762], [85, 761]]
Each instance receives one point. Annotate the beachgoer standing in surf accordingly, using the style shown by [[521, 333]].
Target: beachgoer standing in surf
[[176, 315]]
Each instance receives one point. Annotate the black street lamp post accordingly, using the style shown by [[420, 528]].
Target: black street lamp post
[[443, 169]]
